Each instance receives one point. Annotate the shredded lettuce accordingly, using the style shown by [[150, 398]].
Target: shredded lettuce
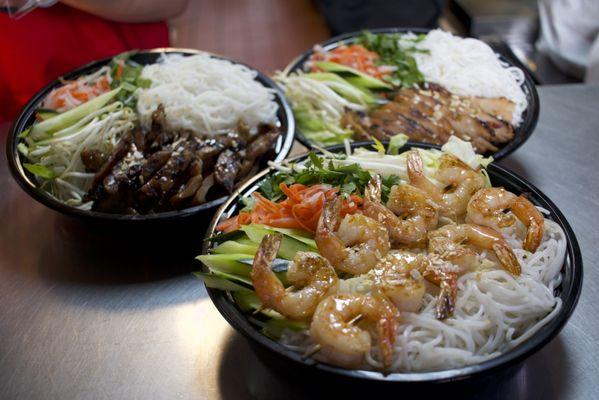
[[126, 73], [465, 152], [397, 142]]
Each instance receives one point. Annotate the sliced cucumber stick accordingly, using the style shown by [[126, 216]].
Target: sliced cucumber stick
[[67, 118], [353, 76], [216, 282]]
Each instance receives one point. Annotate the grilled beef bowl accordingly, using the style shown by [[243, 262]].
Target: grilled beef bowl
[[148, 135]]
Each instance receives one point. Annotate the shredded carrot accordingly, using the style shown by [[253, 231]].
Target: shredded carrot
[[234, 223], [354, 56], [75, 93], [119, 69], [300, 210]]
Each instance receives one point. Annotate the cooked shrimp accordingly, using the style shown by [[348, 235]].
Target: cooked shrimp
[[445, 275], [449, 243], [358, 243], [344, 343], [461, 181], [397, 278], [488, 207], [409, 213], [400, 276], [528, 214], [308, 271]]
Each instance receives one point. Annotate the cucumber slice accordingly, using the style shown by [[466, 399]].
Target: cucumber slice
[[234, 266], [227, 263], [67, 118], [231, 246], [216, 282], [45, 113], [249, 301], [233, 278], [222, 237], [343, 88], [297, 234], [289, 245], [275, 327], [354, 76]]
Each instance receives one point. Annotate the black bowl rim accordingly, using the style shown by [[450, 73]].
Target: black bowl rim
[[569, 294], [15, 162], [522, 132]]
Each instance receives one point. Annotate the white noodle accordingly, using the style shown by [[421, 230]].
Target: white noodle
[[469, 67], [205, 95]]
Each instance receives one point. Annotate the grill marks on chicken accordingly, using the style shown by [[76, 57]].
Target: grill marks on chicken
[[433, 115], [164, 170]]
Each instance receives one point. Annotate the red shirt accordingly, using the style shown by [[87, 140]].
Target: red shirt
[[48, 42]]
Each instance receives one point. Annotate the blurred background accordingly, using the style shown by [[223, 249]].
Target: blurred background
[[269, 33], [555, 40]]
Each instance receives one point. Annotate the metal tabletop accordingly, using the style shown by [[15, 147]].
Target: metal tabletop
[[91, 313]]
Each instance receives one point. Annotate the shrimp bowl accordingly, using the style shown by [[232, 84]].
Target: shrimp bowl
[[395, 262]]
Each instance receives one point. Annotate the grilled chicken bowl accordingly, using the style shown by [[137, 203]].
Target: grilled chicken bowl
[[427, 85]]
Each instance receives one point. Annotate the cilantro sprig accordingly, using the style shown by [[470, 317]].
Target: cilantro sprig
[[351, 179], [126, 73], [397, 50]]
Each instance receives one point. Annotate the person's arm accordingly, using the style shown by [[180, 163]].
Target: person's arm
[[131, 10]]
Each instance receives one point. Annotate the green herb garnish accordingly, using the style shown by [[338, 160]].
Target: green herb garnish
[[126, 73], [351, 179], [39, 170], [396, 50]]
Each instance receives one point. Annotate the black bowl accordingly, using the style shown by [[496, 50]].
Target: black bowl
[[145, 57], [284, 358], [522, 132]]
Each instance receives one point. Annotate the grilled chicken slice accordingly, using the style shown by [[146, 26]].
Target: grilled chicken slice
[[432, 116], [469, 121], [499, 107], [358, 121]]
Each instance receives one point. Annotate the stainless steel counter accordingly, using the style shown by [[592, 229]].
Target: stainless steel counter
[[81, 319]]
